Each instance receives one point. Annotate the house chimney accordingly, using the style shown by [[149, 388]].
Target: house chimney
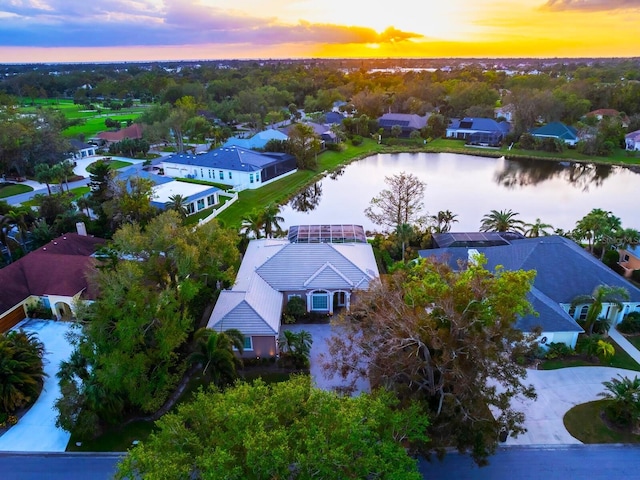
[[81, 228]]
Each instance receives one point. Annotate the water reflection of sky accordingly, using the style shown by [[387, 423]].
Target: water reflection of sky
[[472, 186]]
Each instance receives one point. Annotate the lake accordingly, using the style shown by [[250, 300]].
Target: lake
[[558, 193]]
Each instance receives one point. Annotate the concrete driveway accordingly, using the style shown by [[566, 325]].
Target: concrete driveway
[[558, 391], [320, 333], [36, 431]]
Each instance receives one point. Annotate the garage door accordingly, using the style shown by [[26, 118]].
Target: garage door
[[12, 318]]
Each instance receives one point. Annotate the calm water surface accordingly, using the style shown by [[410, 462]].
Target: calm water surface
[[469, 186]]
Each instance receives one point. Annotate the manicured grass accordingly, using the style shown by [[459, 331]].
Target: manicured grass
[[620, 359], [113, 164], [585, 423], [634, 340], [281, 191], [10, 189], [115, 439], [221, 186], [95, 123], [80, 192]]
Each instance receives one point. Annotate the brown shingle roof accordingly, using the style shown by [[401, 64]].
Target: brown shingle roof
[[133, 132], [58, 268]]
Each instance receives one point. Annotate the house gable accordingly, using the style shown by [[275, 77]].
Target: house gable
[[328, 276]]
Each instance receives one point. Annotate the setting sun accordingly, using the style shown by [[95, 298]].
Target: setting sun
[[203, 29]]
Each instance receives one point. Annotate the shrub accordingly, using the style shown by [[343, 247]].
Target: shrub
[[558, 350], [335, 147], [630, 323], [356, 140], [296, 307], [611, 258], [635, 275]]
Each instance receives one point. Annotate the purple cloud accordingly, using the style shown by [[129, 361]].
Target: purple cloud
[[591, 5], [116, 23]]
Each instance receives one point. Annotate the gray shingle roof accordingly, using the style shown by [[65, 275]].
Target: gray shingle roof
[[230, 158], [564, 270]]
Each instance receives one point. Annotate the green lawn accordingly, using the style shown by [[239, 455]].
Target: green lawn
[[635, 341], [282, 190], [584, 422], [621, 359], [113, 164], [10, 189]]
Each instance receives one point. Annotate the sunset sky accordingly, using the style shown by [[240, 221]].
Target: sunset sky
[[131, 30]]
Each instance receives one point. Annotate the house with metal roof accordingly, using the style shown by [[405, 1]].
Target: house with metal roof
[[238, 167], [326, 275], [53, 275], [564, 270], [408, 122], [478, 131], [257, 141], [558, 130]]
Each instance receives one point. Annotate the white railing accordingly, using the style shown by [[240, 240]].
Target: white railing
[[233, 197]]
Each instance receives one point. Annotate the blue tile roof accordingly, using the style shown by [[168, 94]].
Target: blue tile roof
[[479, 124], [230, 158], [133, 171]]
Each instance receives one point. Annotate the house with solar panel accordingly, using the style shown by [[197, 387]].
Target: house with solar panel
[[325, 265], [564, 271], [485, 132], [408, 122], [238, 167]]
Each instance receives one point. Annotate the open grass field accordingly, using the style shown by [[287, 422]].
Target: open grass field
[[584, 422], [10, 189], [92, 120]]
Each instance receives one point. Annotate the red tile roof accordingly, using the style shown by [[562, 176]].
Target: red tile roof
[[133, 132], [58, 268]]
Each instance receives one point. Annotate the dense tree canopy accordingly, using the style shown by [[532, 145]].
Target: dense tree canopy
[[283, 430], [448, 339]]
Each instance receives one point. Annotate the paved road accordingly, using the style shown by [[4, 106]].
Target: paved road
[[58, 466], [592, 462]]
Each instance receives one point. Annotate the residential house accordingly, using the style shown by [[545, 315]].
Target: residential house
[[630, 259], [257, 141], [53, 275], [81, 149], [558, 130], [632, 141], [323, 132], [610, 113], [478, 131], [506, 111], [326, 265], [333, 118], [235, 166], [196, 197], [132, 132], [564, 270], [408, 122]]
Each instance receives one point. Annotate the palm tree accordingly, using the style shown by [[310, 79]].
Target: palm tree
[[601, 294], [625, 400], [271, 220], [296, 346], [534, 230], [178, 203], [21, 369], [443, 221], [501, 221], [45, 174], [405, 233], [85, 204], [252, 225], [22, 218], [215, 352], [6, 225]]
